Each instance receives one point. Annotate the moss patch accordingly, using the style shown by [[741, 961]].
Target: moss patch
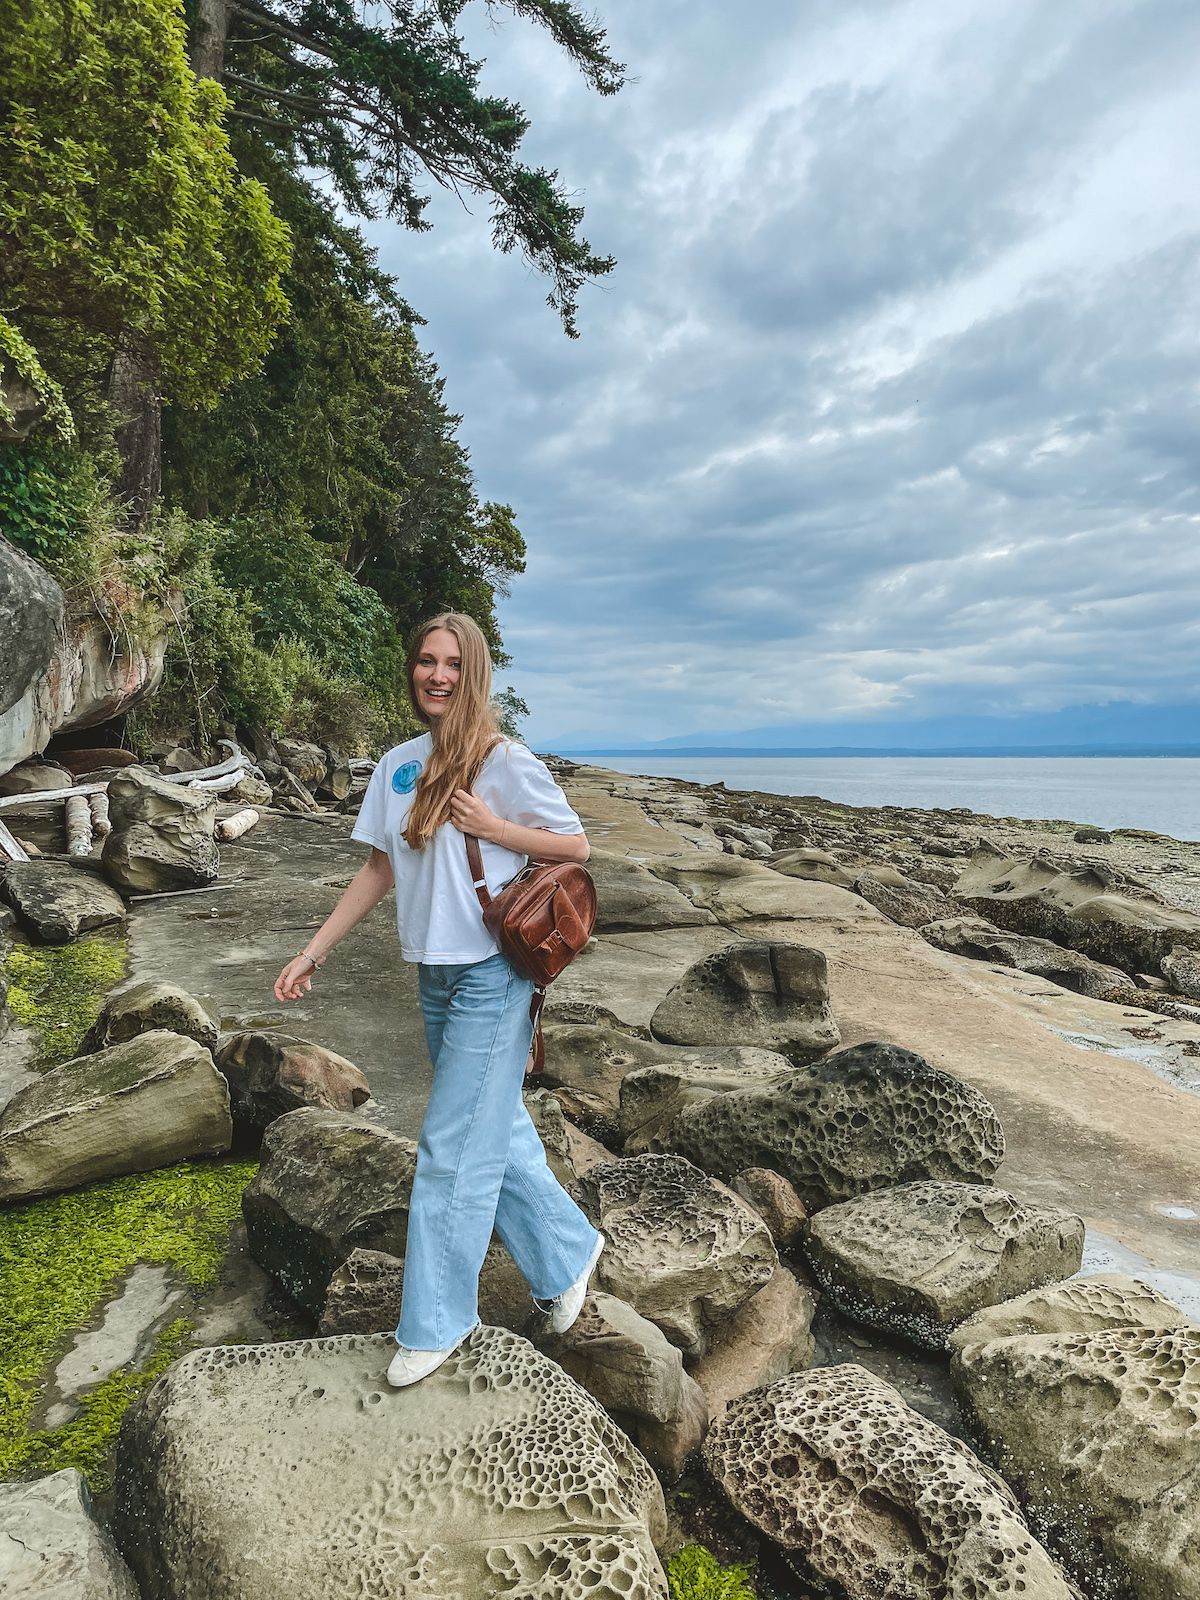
[[59, 1259], [694, 1573], [57, 990]]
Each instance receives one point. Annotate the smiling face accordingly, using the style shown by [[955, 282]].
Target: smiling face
[[436, 671]]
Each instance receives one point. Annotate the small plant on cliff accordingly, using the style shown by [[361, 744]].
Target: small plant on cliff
[[694, 1573]]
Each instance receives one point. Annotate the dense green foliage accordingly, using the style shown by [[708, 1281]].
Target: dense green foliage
[[122, 209], [162, 230]]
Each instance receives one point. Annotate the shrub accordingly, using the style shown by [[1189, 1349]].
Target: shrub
[[694, 1573]]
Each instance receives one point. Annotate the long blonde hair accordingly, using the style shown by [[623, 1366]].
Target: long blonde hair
[[464, 733]]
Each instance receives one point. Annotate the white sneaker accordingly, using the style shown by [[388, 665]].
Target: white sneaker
[[565, 1308], [410, 1366]]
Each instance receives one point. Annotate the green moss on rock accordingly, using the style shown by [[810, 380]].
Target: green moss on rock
[[59, 1260], [694, 1573], [57, 990]]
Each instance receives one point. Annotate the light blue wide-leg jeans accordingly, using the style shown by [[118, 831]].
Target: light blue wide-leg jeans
[[480, 1163]]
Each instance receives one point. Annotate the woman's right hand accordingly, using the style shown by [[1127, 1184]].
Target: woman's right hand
[[295, 979]]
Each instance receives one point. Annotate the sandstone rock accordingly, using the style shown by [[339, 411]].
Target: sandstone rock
[[652, 1097], [776, 1202], [1181, 969], [143, 1005], [1092, 836], [32, 613], [249, 791], [181, 760], [338, 779], [630, 898], [626, 1363], [305, 761], [293, 1469], [134, 1106], [328, 1183], [365, 1293], [917, 1259], [1100, 1432], [766, 993], [1095, 909], [736, 890], [817, 866], [910, 904], [1078, 1305], [864, 1118], [547, 1117], [51, 1548], [981, 941], [56, 903], [584, 1152], [767, 1337], [35, 777], [833, 1466], [162, 834], [270, 1074], [682, 1250]]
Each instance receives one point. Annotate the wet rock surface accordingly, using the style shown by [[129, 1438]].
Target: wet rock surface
[[769, 994], [1100, 1432], [682, 1250], [919, 1258], [833, 1465], [865, 1118], [128, 1108], [496, 1475]]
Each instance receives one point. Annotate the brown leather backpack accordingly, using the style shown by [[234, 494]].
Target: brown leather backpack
[[541, 920]]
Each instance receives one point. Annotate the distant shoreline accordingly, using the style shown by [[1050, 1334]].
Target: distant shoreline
[[989, 752]]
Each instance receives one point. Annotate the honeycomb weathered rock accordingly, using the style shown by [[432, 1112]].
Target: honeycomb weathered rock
[[1077, 1305], [681, 1249], [140, 1005], [918, 1259], [766, 992], [1101, 1433], [861, 1119], [249, 1472], [652, 1097], [833, 1465]]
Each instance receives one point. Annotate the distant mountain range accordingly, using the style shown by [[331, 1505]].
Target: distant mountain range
[[1112, 730]]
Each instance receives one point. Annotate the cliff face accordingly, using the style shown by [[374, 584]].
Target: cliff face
[[59, 672]]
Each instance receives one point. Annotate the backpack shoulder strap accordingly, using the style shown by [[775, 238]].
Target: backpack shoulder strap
[[478, 880]]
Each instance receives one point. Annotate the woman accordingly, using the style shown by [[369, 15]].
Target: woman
[[480, 1163]]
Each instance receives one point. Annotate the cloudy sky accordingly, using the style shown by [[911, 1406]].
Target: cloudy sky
[[890, 409]]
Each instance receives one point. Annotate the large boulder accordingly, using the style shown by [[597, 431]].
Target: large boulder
[[627, 1364], [652, 1097], [303, 760], [32, 628], [1077, 1305], [776, 1202], [865, 1118], [162, 834], [910, 904], [142, 1005], [681, 1249], [631, 898], [1093, 908], [56, 902], [270, 1074], [1181, 969], [917, 1259], [52, 1548], [1100, 1432], [293, 1469], [1070, 969], [131, 1107], [35, 777], [766, 993], [835, 1468], [328, 1183]]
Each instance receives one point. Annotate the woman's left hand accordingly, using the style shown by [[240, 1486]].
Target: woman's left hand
[[469, 815]]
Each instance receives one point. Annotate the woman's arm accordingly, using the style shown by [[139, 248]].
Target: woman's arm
[[469, 814], [362, 894]]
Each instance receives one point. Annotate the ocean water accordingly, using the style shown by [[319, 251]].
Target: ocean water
[[1162, 794]]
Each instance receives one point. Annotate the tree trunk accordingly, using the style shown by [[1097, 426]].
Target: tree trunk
[[208, 38], [133, 393]]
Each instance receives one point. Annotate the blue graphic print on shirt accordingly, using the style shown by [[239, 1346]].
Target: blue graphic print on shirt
[[404, 779]]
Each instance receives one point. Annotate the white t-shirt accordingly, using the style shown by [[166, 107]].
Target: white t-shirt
[[437, 911]]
